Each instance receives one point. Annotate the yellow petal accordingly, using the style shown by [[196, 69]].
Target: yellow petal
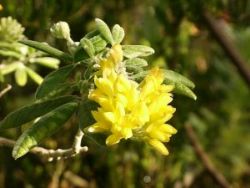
[[168, 129], [113, 139], [159, 146], [98, 127], [116, 53], [141, 113], [104, 85], [109, 116]]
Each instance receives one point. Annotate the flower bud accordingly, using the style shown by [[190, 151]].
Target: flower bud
[[61, 30]]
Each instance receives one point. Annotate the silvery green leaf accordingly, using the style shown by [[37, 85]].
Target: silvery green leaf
[[118, 34], [99, 43], [181, 89], [133, 51], [184, 90], [44, 127], [135, 65], [178, 78], [104, 30], [88, 46]]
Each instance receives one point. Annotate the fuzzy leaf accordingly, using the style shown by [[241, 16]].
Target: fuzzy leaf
[[48, 49], [133, 51], [118, 34], [98, 42], [182, 89], [54, 80], [30, 112], [178, 78], [44, 127], [135, 65], [104, 30], [88, 46]]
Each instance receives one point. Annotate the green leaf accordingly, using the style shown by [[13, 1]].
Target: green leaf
[[104, 30], [182, 89], [21, 75], [48, 49], [30, 112], [44, 127], [88, 46], [178, 78], [133, 51], [54, 80], [65, 88], [46, 61], [80, 55], [135, 65], [118, 34], [99, 43], [36, 77]]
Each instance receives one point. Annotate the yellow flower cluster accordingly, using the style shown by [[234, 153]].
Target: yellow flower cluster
[[128, 109]]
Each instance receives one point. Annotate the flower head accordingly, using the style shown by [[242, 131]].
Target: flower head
[[128, 109]]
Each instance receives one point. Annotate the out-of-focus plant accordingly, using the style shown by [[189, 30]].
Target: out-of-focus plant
[[109, 88], [18, 58]]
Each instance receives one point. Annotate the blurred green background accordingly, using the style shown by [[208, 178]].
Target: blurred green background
[[176, 29]]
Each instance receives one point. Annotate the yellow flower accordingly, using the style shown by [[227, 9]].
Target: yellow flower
[[1, 7], [114, 57], [128, 109]]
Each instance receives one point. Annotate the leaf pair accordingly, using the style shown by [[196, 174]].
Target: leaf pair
[[54, 112], [182, 85]]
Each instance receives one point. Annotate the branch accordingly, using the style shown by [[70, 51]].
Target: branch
[[227, 45], [5, 90], [202, 155], [51, 154]]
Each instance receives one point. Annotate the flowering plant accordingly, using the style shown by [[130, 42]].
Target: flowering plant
[[108, 87]]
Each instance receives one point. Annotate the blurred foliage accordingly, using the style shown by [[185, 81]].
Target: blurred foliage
[[176, 30], [19, 58]]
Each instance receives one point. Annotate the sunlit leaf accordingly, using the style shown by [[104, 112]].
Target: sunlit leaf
[[44, 127], [118, 34], [133, 51], [104, 30], [88, 46], [178, 78]]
